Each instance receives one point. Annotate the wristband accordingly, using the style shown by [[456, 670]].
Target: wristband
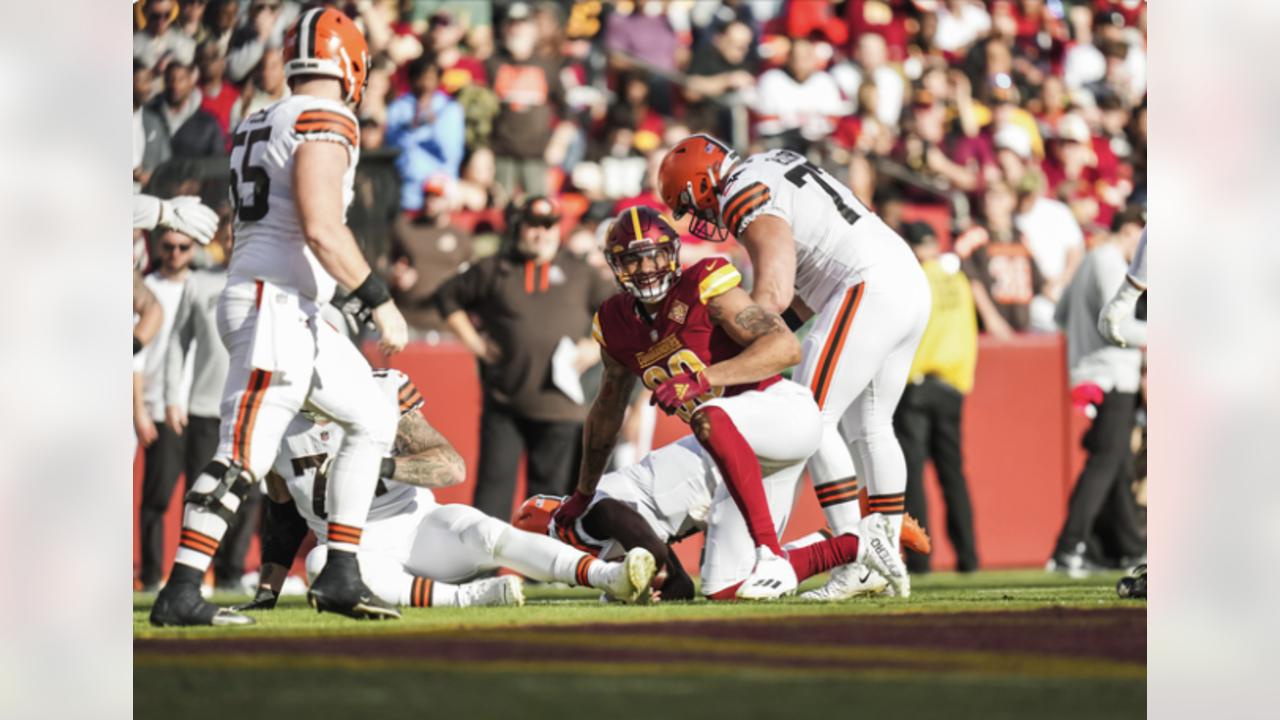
[[388, 469], [792, 319], [137, 345], [372, 292]]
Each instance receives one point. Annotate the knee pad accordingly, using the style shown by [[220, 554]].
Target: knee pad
[[231, 479]]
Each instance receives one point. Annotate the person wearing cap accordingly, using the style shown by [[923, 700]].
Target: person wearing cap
[[426, 250], [927, 421], [428, 128], [193, 132], [158, 37], [1115, 373], [530, 299]]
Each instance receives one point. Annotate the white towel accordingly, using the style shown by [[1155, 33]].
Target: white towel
[[282, 343]]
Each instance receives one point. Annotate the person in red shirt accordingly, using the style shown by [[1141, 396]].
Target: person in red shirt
[[457, 69], [712, 356], [218, 95]]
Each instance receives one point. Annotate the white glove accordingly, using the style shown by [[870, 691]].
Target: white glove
[[1117, 311], [187, 215]]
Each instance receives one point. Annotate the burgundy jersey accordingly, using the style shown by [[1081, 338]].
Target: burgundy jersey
[[681, 338]]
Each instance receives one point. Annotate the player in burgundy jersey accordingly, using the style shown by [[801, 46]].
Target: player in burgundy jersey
[[712, 356]]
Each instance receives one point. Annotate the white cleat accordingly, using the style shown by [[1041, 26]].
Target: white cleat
[[629, 581], [502, 591], [878, 550], [772, 578], [849, 581]]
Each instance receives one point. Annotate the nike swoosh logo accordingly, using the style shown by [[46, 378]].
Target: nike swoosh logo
[[866, 575]]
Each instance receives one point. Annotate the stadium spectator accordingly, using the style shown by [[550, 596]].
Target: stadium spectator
[[217, 96], [532, 300], [1083, 62], [960, 24], [194, 372], [150, 136], [266, 87], [458, 69], [531, 99], [160, 40], [479, 190], [957, 158], [1051, 232], [645, 34], [427, 127], [164, 455], [798, 103], [267, 22], [927, 421], [872, 62], [1115, 81], [191, 20], [720, 67], [193, 132], [426, 250], [870, 17], [1000, 267], [221, 19], [1109, 378]]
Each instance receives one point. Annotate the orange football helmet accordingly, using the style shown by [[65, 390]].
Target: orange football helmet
[[690, 180], [326, 42], [535, 514], [637, 233]]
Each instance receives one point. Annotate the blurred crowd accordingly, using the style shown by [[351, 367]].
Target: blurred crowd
[[1014, 130]]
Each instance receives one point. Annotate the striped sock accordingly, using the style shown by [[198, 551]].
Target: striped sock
[[839, 501], [891, 506], [420, 592], [590, 571], [344, 537]]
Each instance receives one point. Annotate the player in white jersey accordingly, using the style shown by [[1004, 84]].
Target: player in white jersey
[[415, 551], [676, 491], [292, 169], [1120, 307], [817, 250]]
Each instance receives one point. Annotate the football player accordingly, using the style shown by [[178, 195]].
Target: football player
[[816, 249], [292, 170], [414, 551], [712, 356]]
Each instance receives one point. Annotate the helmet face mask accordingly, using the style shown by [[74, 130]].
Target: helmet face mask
[[643, 250], [690, 181]]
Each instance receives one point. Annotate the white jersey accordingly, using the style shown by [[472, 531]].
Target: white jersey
[[269, 242], [307, 445], [838, 240]]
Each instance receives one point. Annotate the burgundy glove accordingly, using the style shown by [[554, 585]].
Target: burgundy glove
[[679, 390], [572, 508]]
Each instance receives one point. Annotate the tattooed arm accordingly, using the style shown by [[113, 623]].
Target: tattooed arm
[[769, 347], [604, 422], [423, 456]]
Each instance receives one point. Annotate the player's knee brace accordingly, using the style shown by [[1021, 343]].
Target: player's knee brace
[[283, 530], [231, 479]]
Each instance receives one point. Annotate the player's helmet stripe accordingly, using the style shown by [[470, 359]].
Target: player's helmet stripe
[[308, 35]]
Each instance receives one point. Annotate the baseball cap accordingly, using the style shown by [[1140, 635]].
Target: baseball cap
[[519, 12], [540, 211], [918, 233], [1073, 128], [436, 185], [1012, 137]]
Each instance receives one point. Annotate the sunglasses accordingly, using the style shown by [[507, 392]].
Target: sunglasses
[[171, 247]]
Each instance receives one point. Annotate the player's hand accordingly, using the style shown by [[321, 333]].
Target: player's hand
[[264, 600], [1116, 311], [395, 332], [175, 418], [145, 428], [679, 390], [573, 508], [187, 215]]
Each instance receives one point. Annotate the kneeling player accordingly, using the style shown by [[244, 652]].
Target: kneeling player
[[712, 356], [672, 494], [414, 551]]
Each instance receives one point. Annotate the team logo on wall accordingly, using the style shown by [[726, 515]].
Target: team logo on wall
[[679, 311]]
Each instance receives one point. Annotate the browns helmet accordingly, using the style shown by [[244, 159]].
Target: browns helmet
[[638, 233], [326, 42], [691, 179], [535, 514]]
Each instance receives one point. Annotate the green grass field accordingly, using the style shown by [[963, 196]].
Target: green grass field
[[989, 645]]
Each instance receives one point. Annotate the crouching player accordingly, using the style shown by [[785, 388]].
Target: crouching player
[[712, 356], [414, 551]]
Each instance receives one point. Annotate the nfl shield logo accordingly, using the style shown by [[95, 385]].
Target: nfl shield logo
[[679, 311]]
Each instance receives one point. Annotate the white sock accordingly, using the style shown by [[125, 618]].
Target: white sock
[[538, 557], [202, 530]]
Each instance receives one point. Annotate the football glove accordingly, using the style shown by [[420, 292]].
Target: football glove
[[187, 215], [1116, 311], [679, 390]]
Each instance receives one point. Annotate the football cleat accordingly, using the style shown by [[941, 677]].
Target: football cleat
[[914, 537], [1073, 564], [878, 550], [180, 604], [1135, 585], [628, 581], [849, 581], [339, 589], [773, 577], [505, 590]]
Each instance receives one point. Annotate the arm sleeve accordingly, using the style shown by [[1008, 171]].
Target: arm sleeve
[[1138, 268], [463, 291], [175, 358], [146, 211]]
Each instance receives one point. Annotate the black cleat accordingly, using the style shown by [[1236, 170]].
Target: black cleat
[[339, 589], [179, 604], [1135, 585]]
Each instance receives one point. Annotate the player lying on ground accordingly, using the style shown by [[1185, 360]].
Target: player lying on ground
[[414, 551], [711, 356], [667, 497]]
